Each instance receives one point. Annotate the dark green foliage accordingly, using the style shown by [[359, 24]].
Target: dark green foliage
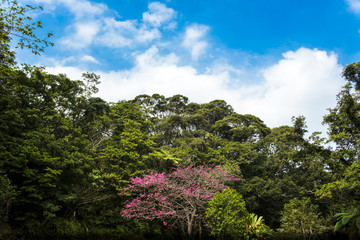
[[342, 192], [287, 166], [43, 150], [351, 74], [226, 215], [344, 129], [65, 155], [301, 217], [6, 195], [227, 218], [351, 219]]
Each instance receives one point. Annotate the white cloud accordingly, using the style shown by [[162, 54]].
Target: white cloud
[[194, 40], [354, 5], [129, 33], [88, 58], [80, 8], [93, 25], [158, 14], [83, 8], [154, 73], [83, 35], [73, 73], [305, 83], [125, 33]]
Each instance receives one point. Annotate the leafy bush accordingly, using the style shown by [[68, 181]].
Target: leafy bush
[[301, 217], [227, 215]]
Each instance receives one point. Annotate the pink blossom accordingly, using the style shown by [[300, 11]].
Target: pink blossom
[[170, 197]]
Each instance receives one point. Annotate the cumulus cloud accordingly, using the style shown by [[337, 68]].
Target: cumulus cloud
[[80, 8], [84, 8], [83, 34], [88, 58], [304, 82], [194, 40], [127, 33], [74, 73], [95, 25], [158, 14], [354, 5], [154, 73]]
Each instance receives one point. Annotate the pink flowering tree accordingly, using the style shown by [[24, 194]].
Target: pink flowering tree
[[178, 199]]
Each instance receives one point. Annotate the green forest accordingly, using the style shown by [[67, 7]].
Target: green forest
[[73, 166]]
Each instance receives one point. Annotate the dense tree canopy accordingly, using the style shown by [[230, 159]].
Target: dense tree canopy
[[65, 155]]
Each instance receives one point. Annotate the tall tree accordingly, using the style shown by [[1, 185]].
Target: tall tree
[[344, 130], [286, 166], [42, 150], [128, 151]]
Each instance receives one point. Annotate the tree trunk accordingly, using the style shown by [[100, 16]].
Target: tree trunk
[[200, 230], [190, 218], [189, 227]]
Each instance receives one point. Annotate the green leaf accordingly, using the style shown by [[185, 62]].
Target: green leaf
[[338, 225], [346, 219], [358, 223], [339, 215]]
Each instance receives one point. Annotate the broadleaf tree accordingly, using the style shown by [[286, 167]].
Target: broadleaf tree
[[17, 23], [177, 199]]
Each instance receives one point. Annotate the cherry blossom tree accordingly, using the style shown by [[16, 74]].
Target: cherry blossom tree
[[178, 199]]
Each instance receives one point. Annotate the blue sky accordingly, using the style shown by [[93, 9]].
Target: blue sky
[[273, 59]]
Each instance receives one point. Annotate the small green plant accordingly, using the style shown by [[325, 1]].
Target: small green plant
[[256, 228], [349, 218]]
